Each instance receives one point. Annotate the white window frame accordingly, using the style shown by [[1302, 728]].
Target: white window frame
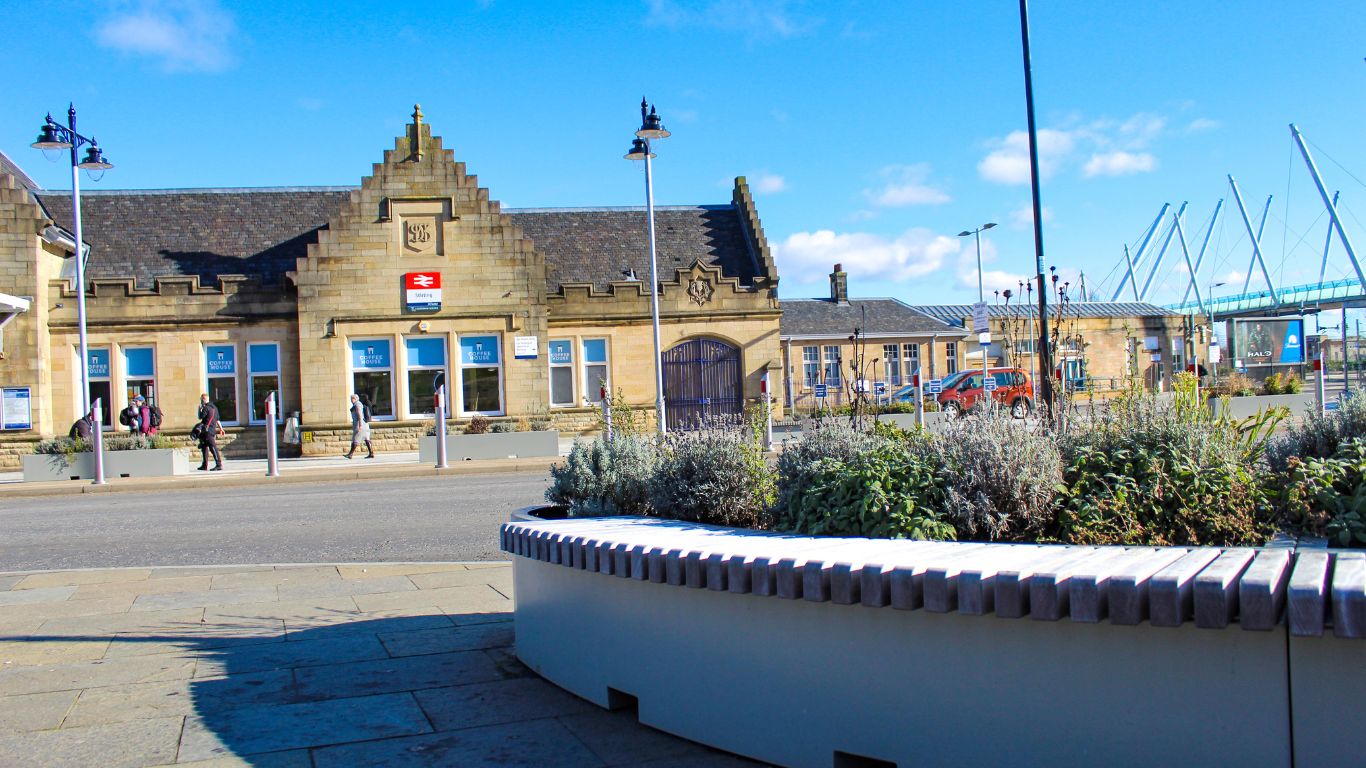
[[891, 364], [592, 388], [950, 357], [409, 368], [279, 382], [110, 414], [125, 378], [502, 372], [571, 366], [393, 377], [811, 366], [235, 376], [827, 361]]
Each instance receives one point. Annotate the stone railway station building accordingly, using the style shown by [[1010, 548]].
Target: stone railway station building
[[382, 289]]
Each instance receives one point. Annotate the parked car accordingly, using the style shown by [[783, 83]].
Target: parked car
[[1014, 389], [907, 393]]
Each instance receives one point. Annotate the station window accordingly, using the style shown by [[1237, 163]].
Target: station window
[[426, 371], [951, 353], [596, 377], [832, 366], [562, 372], [910, 355], [481, 375], [100, 387], [264, 361], [220, 371], [139, 370], [372, 375], [891, 365], [811, 366]]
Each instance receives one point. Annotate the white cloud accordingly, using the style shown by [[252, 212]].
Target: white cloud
[[1201, 124], [769, 183], [992, 279], [1008, 163], [192, 35], [756, 18], [1023, 217], [905, 186], [809, 256], [1119, 163]]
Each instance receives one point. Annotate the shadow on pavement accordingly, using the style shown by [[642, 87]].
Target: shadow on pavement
[[426, 690]]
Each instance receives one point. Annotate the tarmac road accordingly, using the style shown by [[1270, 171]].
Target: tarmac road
[[451, 518]]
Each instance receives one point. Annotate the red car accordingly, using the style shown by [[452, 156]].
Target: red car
[[1014, 389]]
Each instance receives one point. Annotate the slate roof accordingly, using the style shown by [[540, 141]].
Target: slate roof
[[597, 245], [956, 314], [8, 166], [145, 234], [877, 317]]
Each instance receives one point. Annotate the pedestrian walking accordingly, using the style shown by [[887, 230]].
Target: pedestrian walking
[[360, 427], [82, 429], [208, 429], [147, 417], [131, 417]]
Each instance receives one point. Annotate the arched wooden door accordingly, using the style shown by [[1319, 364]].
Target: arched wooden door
[[701, 383]]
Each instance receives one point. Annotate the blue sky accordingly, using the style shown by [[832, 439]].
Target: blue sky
[[871, 133]]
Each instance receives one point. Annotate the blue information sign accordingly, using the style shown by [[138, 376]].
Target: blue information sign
[[935, 386], [820, 391], [880, 388]]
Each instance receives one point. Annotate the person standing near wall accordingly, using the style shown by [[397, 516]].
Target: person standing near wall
[[209, 428], [360, 427]]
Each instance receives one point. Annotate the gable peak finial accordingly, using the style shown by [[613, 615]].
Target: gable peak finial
[[417, 114]]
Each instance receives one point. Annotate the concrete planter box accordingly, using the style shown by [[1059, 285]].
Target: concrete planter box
[[805, 651], [151, 462], [1243, 407], [492, 445], [933, 419]]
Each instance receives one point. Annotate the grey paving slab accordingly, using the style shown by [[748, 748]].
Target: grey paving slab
[[144, 587], [202, 570], [617, 739], [398, 620], [6, 582], [290, 654], [35, 711], [409, 673], [294, 758], [143, 622], [501, 701], [189, 645], [26, 612], [249, 730], [121, 703], [122, 745], [537, 744], [275, 577], [447, 639], [93, 674], [479, 598], [33, 649], [344, 587], [75, 578], [374, 570], [500, 576], [40, 595], [208, 597]]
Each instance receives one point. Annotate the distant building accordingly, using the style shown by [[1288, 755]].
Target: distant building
[[413, 278]]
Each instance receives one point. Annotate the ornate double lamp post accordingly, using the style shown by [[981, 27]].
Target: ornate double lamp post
[[54, 135], [651, 129]]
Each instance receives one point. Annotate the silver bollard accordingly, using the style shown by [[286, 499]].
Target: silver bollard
[[919, 400], [1320, 399], [97, 433], [272, 443], [440, 427]]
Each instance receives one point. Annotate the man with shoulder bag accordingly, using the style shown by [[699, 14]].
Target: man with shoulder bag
[[209, 429]]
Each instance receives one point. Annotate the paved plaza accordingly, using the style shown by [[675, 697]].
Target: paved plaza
[[282, 666]]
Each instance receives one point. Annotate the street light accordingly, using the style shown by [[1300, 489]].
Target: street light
[[651, 128], [981, 296], [1209, 297], [53, 135]]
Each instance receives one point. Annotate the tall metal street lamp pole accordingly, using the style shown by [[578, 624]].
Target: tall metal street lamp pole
[[981, 295], [54, 135], [651, 128], [1209, 297], [1045, 354]]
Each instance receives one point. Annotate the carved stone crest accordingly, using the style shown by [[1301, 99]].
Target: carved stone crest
[[700, 291], [419, 235]]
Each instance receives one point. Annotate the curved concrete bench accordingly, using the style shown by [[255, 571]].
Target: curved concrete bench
[[1122, 656]]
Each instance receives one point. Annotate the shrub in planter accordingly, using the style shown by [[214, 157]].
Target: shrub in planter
[[1319, 435], [796, 465], [1327, 497], [1000, 476], [602, 478], [1158, 473], [68, 446], [477, 426], [1273, 385], [717, 475], [502, 427], [1234, 384], [893, 491]]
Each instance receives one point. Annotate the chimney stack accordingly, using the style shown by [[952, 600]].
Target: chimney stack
[[839, 286]]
